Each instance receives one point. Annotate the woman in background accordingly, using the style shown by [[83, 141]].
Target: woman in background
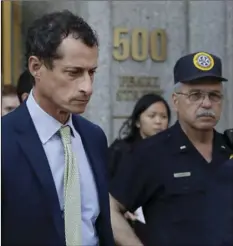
[[150, 116]]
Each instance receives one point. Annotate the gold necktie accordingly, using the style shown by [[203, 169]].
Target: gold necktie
[[72, 195]]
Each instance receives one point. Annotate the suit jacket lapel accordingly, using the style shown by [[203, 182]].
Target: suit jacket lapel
[[32, 147]]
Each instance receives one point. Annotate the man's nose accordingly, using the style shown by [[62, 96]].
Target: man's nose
[[87, 85], [206, 103]]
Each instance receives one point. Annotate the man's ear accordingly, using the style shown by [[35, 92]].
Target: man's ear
[[175, 101], [24, 96], [34, 65]]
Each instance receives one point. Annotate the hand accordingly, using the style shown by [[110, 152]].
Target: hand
[[131, 216]]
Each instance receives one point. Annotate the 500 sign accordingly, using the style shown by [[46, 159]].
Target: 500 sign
[[139, 44]]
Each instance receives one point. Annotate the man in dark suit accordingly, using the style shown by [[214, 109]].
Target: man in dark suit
[[54, 188]]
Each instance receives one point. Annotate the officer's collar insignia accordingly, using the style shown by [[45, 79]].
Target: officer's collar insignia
[[231, 157], [181, 175], [183, 147], [203, 61]]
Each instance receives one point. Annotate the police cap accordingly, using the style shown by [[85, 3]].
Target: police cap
[[197, 66]]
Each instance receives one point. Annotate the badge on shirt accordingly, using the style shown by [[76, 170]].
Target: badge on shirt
[[181, 175], [231, 157]]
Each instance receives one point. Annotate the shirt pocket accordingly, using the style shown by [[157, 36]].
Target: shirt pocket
[[186, 197]]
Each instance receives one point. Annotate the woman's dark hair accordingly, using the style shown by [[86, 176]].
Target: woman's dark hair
[[129, 131], [25, 84]]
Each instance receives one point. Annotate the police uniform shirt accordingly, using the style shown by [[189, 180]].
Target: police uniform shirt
[[185, 199]]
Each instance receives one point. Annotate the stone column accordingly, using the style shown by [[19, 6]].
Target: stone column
[[99, 108], [229, 63], [209, 29], [149, 15]]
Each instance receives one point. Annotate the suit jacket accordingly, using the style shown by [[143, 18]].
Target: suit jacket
[[30, 208]]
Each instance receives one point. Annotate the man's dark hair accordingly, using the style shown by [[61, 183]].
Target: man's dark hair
[[24, 84], [8, 90], [46, 34]]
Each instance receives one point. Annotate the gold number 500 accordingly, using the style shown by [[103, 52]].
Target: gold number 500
[[142, 44]]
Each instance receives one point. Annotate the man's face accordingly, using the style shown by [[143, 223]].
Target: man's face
[[9, 103], [68, 85], [199, 105]]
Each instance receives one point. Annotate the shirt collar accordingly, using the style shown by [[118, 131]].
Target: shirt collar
[[71, 125], [45, 124], [183, 144]]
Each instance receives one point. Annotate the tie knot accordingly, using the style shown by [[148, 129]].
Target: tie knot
[[65, 134]]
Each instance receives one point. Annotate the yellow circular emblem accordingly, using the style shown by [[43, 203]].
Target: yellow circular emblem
[[231, 157], [203, 61]]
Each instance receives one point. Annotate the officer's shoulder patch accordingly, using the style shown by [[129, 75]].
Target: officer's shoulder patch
[[203, 61]]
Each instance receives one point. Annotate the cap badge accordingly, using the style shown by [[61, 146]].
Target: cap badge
[[203, 61]]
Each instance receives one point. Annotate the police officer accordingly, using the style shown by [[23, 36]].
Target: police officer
[[180, 176]]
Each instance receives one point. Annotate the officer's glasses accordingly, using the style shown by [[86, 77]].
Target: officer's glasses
[[198, 96]]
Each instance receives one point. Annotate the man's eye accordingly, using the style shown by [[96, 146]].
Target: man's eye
[[92, 72], [75, 73], [215, 97], [72, 73], [195, 96]]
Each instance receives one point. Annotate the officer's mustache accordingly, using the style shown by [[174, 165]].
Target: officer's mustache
[[208, 113]]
